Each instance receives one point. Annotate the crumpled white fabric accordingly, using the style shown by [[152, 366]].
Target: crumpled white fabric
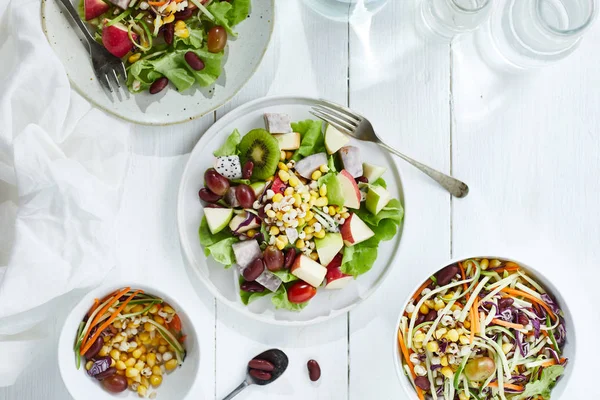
[[62, 164]]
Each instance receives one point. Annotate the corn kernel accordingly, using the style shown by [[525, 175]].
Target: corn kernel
[[137, 353], [156, 370], [301, 221], [467, 324], [112, 362], [506, 348], [432, 346], [289, 191], [308, 237], [280, 244], [88, 365], [270, 213], [182, 33], [104, 351], [438, 305], [419, 337], [144, 337], [309, 216], [148, 327], [124, 357], [143, 358], [321, 202], [447, 372], [137, 308], [277, 197], [320, 234], [440, 333], [345, 215], [323, 190], [300, 244], [418, 345], [141, 391], [314, 256], [274, 231], [151, 360], [117, 324], [452, 335], [168, 19], [162, 348], [159, 319], [131, 372], [463, 396], [153, 309], [120, 365], [282, 155], [130, 362], [116, 354], [424, 309], [495, 263], [134, 57], [316, 175], [279, 215], [289, 154], [282, 167], [293, 181], [484, 264], [171, 364], [444, 361], [463, 339], [139, 366], [283, 175], [155, 380], [180, 25], [324, 168]]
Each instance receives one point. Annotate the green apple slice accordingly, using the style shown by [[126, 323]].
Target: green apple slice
[[377, 198], [334, 139], [328, 247], [217, 218], [372, 172]]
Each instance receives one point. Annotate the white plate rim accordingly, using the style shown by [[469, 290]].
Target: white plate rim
[[264, 102], [150, 123]]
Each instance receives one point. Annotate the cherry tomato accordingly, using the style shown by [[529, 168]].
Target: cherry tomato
[[217, 39], [300, 292], [175, 323]]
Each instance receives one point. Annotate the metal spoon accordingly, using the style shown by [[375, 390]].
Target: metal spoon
[[276, 357]]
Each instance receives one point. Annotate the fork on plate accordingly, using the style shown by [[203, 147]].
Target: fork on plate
[[357, 126], [107, 67]]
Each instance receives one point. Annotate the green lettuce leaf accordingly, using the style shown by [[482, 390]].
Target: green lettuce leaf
[[248, 297], [380, 182], [207, 238], [334, 188], [239, 12], [392, 211], [280, 300], [222, 251], [312, 138], [286, 276], [220, 10], [544, 385], [229, 148], [194, 40]]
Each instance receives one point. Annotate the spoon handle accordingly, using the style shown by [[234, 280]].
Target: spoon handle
[[238, 389]]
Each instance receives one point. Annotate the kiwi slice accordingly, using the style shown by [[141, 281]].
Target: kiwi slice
[[260, 147]]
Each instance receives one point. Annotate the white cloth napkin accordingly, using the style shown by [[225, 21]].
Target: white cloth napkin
[[62, 164]]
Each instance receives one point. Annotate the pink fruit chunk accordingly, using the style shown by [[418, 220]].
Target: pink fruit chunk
[[116, 40], [120, 3], [94, 8]]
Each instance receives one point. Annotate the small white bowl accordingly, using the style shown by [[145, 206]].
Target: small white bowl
[[80, 385], [569, 349]]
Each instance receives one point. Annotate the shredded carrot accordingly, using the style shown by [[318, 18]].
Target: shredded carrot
[[157, 3], [507, 324], [409, 363], [463, 275], [116, 297], [507, 385], [472, 334], [476, 311], [423, 286], [502, 269], [542, 303], [96, 303], [551, 362], [107, 323]]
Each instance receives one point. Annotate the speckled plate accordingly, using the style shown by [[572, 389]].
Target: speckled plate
[[242, 57]]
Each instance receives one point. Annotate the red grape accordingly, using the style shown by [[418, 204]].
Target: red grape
[[217, 39], [216, 182], [245, 195], [273, 258]]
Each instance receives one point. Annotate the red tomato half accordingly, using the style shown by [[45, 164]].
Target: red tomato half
[[300, 292]]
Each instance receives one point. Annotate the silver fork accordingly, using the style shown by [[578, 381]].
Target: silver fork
[[107, 67], [357, 126]]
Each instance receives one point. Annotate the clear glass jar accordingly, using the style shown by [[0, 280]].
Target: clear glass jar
[[343, 10], [448, 18]]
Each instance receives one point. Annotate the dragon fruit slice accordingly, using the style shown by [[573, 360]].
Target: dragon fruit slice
[[229, 166], [246, 252]]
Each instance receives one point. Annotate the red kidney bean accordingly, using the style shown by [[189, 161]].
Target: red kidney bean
[[253, 271], [431, 316], [422, 382], [169, 33], [159, 85], [260, 375], [183, 15], [252, 287], [262, 365], [288, 260], [208, 196], [522, 319], [95, 349], [314, 370], [505, 302], [420, 319], [247, 169], [194, 61], [446, 274], [109, 372], [115, 383], [362, 179]]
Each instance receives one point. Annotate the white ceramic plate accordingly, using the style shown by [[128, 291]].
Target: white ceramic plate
[[176, 384], [222, 283], [242, 57], [569, 349]]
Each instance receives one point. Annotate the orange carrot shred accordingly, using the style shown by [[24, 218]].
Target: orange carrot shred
[[507, 324], [409, 363], [423, 286], [101, 312], [542, 303], [507, 385]]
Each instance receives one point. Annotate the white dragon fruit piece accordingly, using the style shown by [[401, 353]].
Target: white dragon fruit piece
[[229, 166]]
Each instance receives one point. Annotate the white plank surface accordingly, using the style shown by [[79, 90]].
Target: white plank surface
[[527, 145]]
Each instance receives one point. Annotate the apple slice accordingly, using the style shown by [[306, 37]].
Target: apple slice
[[328, 247], [308, 270], [94, 8], [334, 139], [244, 222], [372, 172], [335, 278], [377, 198], [288, 141], [355, 230], [217, 218], [349, 190], [116, 40]]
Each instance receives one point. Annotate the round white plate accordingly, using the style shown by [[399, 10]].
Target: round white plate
[[223, 283], [242, 57]]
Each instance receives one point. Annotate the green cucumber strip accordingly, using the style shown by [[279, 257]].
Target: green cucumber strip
[[551, 332], [139, 312], [77, 347], [168, 336], [119, 18], [459, 371]]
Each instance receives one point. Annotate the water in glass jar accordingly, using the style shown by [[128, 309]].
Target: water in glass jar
[[343, 10], [447, 18]]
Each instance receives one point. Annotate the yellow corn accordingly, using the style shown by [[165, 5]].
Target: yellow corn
[[438, 305], [171, 364], [309, 216], [495, 263], [139, 365], [467, 324], [88, 365], [104, 351], [424, 309], [463, 339], [447, 372], [440, 333], [277, 197], [289, 191], [120, 365], [297, 200], [463, 396], [280, 244], [506, 348], [289, 154], [130, 362], [324, 168], [321, 202], [155, 380], [134, 57], [320, 234], [282, 167], [156, 370], [300, 244], [345, 215], [148, 327], [444, 361], [332, 211], [308, 236], [314, 256], [162, 348], [137, 353], [159, 319], [168, 19], [279, 215], [432, 346], [301, 221], [124, 357], [294, 181], [251, 233], [323, 190], [137, 308], [141, 391], [429, 303], [116, 354], [151, 359], [282, 155], [452, 335], [270, 213], [274, 231], [131, 372], [283, 175], [484, 264], [316, 175], [419, 337]]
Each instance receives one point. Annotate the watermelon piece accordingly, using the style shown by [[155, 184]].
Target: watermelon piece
[[116, 40]]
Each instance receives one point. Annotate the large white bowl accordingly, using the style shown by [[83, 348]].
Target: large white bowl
[[242, 57], [175, 385], [223, 283], [569, 349]]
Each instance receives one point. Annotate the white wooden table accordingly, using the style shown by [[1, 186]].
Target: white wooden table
[[528, 146]]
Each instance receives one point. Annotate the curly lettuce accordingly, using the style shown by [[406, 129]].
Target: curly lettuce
[[312, 141]]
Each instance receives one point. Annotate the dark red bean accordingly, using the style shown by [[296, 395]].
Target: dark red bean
[[314, 370], [288, 260], [96, 347], [422, 382], [194, 61], [208, 196], [420, 319], [431, 316], [260, 375], [109, 372], [159, 85], [169, 33], [262, 365], [522, 319], [447, 274], [115, 383], [252, 287], [183, 15], [247, 170], [362, 179], [505, 302], [253, 271]]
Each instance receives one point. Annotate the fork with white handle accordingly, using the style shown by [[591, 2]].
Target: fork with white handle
[[107, 67], [357, 126]]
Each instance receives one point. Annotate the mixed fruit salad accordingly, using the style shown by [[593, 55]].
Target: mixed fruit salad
[[130, 339], [296, 209], [177, 41], [482, 329]]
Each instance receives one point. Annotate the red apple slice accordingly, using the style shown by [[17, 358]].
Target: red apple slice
[[308, 270], [116, 40], [355, 231], [349, 189], [94, 8], [335, 278]]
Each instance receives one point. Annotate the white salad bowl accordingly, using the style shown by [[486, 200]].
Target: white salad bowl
[[80, 385], [570, 344], [223, 283], [242, 58]]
